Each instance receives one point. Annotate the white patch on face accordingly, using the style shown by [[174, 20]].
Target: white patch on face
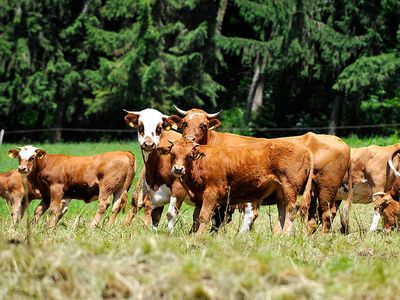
[[145, 155], [160, 197], [27, 151], [192, 115], [375, 221], [248, 218], [172, 215], [150, 119]]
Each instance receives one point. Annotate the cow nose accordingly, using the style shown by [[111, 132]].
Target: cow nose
[[190, 137], [178, 170], [22, 169]]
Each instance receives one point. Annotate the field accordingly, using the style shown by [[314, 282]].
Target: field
[[73, 262]]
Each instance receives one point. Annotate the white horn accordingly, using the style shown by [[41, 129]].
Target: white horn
[[181, 111], [396, 173], [378, 194], [214, 115], [131, 112]]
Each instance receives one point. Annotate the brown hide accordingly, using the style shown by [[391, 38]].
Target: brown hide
[[370, 172], [389, 209], [331, 156], [246, 173], [101, 176], [12, 190]]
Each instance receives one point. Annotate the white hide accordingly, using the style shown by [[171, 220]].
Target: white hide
[[27, 151], [172, 215], [161, 197], [150, 119], [248, 218], [375, 221]]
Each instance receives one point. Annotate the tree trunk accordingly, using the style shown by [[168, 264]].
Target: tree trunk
[[337, 104], [255, 97], [58, 121]]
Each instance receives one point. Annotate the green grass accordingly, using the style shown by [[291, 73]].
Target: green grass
[[73, 262]]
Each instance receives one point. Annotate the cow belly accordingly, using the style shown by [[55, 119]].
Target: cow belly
[[160, 197], [362, 193]]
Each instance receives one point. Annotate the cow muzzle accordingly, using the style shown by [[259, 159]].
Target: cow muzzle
[[178, 171], [148, 146], [23, 170]]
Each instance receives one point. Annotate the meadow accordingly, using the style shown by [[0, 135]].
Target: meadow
[[72, 261]]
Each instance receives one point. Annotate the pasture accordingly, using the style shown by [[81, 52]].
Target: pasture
[[72, 261]]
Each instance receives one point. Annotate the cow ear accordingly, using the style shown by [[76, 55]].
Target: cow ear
[[173, 121], [214, 123], [13, 153], [132, 120], [40, 153], [196, 154], [163, 150]]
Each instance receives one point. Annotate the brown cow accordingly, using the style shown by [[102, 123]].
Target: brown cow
[[59, 177], [370, 174], [12, 190], [387, 203], [244, 173], [331, 157]]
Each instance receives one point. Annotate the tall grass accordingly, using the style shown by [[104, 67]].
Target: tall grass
[[73, 262]]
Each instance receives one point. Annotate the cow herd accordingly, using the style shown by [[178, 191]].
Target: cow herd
[[187, 160]]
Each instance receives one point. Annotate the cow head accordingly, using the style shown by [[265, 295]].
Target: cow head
[[182, 153], [196, 123], [27, 157], [150, 123], [388, 208]]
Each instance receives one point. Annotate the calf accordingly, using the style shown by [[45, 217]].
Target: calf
[[12, 190], [59, 177], [371, 174], [331, 158], [214, 175], [387, 203]]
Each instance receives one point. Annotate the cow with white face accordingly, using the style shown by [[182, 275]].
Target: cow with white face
[[163, 188]]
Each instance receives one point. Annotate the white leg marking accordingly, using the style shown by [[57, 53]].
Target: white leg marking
[[248, 218], [375, 221], [172, 215]]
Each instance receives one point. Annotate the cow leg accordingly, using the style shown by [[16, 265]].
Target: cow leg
[[64, 208], [133, 210], [156, 213], [148, 207], [218, 217], [207, 209], [290, 197], [178, 195], [104, 203], [195, 224], [248, 218], [312, 216], [120, 199], [40, 210], [25, 204], [16, 208], [281, 212], [56, 192]]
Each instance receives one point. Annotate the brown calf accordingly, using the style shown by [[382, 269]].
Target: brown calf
[[59, 177], [245, 173], [331, 157], [12, 190]]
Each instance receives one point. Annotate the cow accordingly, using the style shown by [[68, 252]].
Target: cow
[[370, 175], [387, 203], [331, 158], [60, 178], [13, 191], [159, 185], [247, 173]]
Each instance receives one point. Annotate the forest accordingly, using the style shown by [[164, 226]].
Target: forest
[[329, 65]]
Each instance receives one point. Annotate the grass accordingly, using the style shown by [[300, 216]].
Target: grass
[[73, 262]]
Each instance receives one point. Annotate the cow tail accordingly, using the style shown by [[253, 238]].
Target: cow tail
[[345, 216], [129, 178], [306, 201]]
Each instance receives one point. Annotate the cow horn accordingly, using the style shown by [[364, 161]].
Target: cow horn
[[181, 111], [131, 112], [210, 116], [378, 194], [396, 173], [171, 142]]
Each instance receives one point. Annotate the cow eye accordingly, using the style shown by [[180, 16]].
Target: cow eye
[[141, 129], [203, 126], [184, 124], [173, 156], [30, 158], [158, 130]]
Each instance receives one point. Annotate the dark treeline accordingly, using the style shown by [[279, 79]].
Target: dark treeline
[[267, 64]]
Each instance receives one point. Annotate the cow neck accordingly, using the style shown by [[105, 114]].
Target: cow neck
[[33, 176], [151, 167], [208, 138]]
